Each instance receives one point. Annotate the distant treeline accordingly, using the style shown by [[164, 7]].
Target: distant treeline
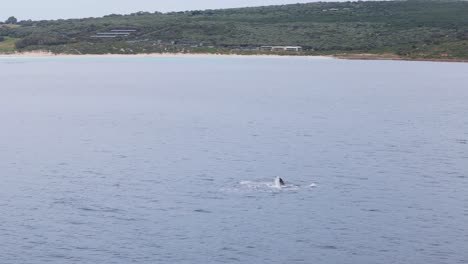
[[413, 28]]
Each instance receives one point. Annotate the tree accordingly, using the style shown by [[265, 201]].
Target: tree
[[11, 20]]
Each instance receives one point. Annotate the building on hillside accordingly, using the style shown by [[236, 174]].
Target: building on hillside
[[113, 33], [266, 48], [123, 30], [281, 48]]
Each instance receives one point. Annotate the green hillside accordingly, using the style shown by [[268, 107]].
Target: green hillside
[[409, 29], [7, 45]]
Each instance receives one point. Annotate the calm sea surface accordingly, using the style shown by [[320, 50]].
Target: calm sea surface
[[172, 160]]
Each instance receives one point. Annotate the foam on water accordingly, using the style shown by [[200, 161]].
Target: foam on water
[[271, 186]]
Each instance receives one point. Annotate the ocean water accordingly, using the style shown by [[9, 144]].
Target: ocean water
[[172, 160]]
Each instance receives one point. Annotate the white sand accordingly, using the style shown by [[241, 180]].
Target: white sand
[[42, 54]]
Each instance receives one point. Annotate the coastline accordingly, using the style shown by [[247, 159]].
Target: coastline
[[392, 57], [39, 54]]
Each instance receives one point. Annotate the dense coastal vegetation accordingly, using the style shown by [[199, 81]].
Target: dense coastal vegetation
[[395, 29]]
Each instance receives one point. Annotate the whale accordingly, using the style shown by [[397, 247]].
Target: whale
[[279, 182]]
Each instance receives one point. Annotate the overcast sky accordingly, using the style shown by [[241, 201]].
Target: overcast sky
[[53, 9]]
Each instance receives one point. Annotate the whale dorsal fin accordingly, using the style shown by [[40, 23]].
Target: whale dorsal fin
[[279, 182]]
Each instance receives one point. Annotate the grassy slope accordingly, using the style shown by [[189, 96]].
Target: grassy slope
[[8, 45]]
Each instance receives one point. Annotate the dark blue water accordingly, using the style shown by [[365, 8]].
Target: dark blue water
[[171, 160]]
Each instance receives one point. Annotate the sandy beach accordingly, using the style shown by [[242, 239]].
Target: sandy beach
[[39, 54], [43, 54]]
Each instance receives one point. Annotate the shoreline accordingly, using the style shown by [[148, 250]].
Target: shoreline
[[390, 57], [153, 55]]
